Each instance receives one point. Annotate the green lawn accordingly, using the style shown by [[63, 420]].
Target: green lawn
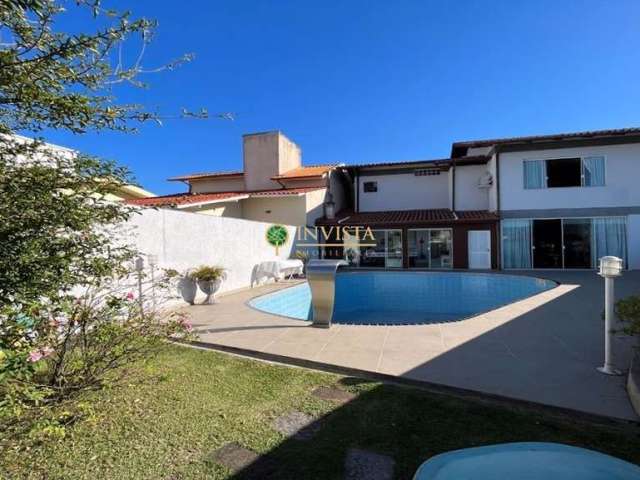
[[197, 401]]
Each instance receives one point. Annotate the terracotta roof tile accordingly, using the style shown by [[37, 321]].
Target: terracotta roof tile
[[408, 217], [192, 198], [440, 162], [194, 176], [611, 133], [181, 199], [305, 172], [283, 191]]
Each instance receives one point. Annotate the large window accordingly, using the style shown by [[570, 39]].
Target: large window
[[430, 248], [563, 172], [562, 243], [384, 251]]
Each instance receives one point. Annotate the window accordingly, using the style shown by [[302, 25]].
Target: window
[[370, 186], [426, 172], [563, 172], [430, 248], [384, 251], [593, 171]]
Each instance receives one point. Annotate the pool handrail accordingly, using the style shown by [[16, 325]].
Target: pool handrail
[[321, 275]]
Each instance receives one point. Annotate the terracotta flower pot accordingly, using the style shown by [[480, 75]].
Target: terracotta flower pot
[[210, 287]]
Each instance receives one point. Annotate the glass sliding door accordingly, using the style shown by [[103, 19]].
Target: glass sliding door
[[419, 255], [609, 238], [430, 248], [577, 242], [394, 249], [562, 243], [384, 252], [516, 243], [440, 248], [547, 243]]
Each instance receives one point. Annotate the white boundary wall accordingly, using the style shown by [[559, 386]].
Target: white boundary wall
[[184, 240]]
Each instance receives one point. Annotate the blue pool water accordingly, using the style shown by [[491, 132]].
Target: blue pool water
[[389, 298]]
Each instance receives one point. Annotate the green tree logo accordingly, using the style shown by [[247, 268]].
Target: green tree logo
[[277, 236]]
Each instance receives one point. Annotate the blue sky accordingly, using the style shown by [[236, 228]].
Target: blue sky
[[366, 81]]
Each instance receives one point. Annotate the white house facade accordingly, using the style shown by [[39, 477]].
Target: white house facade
[[565, 200]]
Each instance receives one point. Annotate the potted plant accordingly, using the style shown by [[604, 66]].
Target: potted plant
[[304, 256], [187, 287], [209, 280]]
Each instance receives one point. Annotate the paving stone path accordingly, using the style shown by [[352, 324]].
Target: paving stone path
[[234, 457], [333, 394], [297, 425], [366, 465]]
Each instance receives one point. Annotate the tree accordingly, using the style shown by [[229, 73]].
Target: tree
[[54, 221]]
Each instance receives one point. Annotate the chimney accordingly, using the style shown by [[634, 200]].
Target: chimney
[[266, 155]]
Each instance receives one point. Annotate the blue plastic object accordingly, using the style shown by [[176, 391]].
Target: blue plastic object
[[526, 461]]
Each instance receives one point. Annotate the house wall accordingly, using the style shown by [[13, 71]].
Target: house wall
[[633, 241], [303, 183], [289, 154], [210, 185], [468, 195], [184, 240], [622, 171], [226, 209], [314, 205], [404, 191], [492, 168], [260, 159], [337, 188], [461, 243], [288, 210], [266, 155]]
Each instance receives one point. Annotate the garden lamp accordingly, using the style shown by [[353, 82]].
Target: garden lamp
[[610, 268]]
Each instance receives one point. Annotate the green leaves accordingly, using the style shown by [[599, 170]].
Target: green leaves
[[628, 310]]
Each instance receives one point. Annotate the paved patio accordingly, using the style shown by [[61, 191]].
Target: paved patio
[[543, 349]]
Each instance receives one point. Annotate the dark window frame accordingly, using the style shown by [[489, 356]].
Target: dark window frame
[[370, 187]]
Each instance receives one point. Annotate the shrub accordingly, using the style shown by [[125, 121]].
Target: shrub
[[628, 310], [207, 273], [56, 351]]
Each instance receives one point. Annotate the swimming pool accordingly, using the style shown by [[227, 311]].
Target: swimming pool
[[404, 298]]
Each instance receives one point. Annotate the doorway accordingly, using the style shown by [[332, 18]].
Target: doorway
[[577, 242], [547, 243], [479, 249]]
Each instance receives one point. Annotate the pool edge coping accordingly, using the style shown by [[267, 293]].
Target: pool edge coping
[[248, 302]]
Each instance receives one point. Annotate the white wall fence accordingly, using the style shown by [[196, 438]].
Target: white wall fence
[[183, 240]]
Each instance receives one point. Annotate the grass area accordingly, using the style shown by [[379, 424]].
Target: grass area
[[197, 401]]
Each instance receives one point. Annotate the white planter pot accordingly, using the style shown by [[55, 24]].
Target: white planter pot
[[210, 287], [188, 288]]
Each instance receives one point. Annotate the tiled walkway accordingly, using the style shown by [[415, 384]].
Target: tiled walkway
[[543, 349]]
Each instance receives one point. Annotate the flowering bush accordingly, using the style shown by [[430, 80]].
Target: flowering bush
[[53, 351]]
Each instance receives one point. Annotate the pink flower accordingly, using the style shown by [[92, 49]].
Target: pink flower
[[36, 355], [130, 296]]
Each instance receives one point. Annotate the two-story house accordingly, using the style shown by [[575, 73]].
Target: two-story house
[[552, 201], [424, 214], [273, 186], [565, 200]]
